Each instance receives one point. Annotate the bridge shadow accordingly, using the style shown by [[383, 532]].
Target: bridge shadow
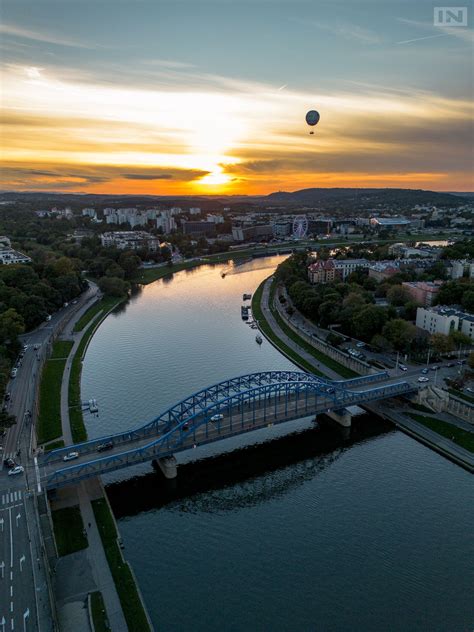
[[274, 468]]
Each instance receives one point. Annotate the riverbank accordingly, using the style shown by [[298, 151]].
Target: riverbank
[[435, 435]]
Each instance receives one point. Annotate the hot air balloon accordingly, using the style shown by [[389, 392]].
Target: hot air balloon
[[312, 119]]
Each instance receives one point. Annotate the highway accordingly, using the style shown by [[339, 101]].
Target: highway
[[24, 597]]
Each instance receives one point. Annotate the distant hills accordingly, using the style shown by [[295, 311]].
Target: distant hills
[[350, 199]]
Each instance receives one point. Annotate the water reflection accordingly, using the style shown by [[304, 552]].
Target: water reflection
[[244, 477]]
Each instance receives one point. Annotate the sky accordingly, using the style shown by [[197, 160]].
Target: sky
[[167, 97]]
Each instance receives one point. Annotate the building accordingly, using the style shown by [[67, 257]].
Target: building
[[344, 267], [198, 229], [166, 221], [130, 240], [194, 210], [322, 271], [462, 268], [8, 256], [423, 292], [249, 233], [89, 212], [281, 228], [334, 269], [395, 223], [444, 320], [383, 270], [216, 219], [320, 225]]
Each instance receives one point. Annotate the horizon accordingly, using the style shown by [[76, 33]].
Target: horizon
[[113, 103]]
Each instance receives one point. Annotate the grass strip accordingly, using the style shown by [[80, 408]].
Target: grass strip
[[54, 445], [69, 530], [462, 437], [49, 418], [61, 349], [461, 395], [104, 305], [123, 578], [76, 420], [99, 613], [268, 331], [317, 355]]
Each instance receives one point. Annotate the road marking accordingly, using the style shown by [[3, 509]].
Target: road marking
[[37, 475], [2, 567], [11, 606], [11, 497], [3, 499], [12, 623], [11, 591], [22, 560], [1, 523], [16, 496], [19, 495], [11, 538]]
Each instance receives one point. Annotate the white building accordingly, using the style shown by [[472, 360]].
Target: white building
[[130, 240], [344, 267], [166, 221], [8, 256], [194, 211], [458, 268], [444, 320], [216, 219], [89, 212]]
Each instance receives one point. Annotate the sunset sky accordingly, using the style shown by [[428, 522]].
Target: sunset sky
[[163, 97]]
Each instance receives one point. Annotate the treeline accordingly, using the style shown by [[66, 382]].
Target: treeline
[[351, 306]]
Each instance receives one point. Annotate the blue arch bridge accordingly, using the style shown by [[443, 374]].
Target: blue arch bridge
[[226, 409]]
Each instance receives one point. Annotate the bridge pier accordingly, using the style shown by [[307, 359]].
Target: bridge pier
[[169, 466], [343, 418]]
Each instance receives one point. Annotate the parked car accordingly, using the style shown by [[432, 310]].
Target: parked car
[[402, 367], [424, 371], [434, 368], [7, 396], [102, 447], [13, 373], [451, 364], [217, 417], [360, 345], [18, 469], [423, 379], [71, 456], [9, 463]]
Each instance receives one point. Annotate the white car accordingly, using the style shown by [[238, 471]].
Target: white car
[[217, 417], [71, 456], [423, 379], [361, 345], [13, 373], [402, 367], [18, 469]]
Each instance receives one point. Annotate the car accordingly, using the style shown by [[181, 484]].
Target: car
[[402, 367], [36, 347], [48, 318], [460, 361], [18, 469], [7, 396], [217, 417], [450, 364], [424, 371], [13, 373], [434, 368], [186, 425], [360, 345], [469, 389], [65, 304], [102, 447], [9, 463], [71, 456], [423, 379], [74, 302]]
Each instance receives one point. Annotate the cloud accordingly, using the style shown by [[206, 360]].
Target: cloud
[[145, 176], [347, 31], [38, 36]]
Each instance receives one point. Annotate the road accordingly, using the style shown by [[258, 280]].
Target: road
[[24, 596]]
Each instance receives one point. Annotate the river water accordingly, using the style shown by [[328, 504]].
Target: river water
[[308, 531]]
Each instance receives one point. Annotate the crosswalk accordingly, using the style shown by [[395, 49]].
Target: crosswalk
[[9, 498]]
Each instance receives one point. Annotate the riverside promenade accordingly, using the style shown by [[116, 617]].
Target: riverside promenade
[[83, 572]]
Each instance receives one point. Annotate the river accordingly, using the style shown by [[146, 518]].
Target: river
[[306, 532]]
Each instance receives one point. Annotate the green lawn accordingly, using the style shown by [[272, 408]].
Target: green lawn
[[462, 437], [61, 349], [124, 581], [104, 305], [99, 613], [78, 428], [54, 445], [49, 418], [69, 530]]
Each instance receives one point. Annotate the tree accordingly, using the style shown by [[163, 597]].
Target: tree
[[441, 343], [399, 333], [11, 325], [113, 286], [468, 300], [398, 295], [369, 321], [459, 339], [130, 264]]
